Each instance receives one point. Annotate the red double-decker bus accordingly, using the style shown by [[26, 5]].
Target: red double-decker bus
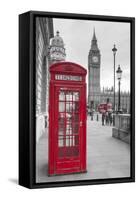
[[105, 107]]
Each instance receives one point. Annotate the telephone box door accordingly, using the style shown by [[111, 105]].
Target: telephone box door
[[69, 111]]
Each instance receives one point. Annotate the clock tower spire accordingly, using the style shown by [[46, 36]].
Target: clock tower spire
[[94, 60]]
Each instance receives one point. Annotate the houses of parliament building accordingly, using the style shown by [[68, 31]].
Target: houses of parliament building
[[96, 95]]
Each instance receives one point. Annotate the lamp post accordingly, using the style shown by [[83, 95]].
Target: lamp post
[[114, 54], [119, 75]]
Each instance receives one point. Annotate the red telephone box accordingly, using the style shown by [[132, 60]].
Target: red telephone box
[[67, 119]]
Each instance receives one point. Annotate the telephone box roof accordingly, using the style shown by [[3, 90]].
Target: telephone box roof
[[68, 67]]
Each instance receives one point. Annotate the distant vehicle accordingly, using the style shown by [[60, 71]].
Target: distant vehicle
[[105, 107]]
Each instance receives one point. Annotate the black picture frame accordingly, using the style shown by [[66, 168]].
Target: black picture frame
[[27, 100]]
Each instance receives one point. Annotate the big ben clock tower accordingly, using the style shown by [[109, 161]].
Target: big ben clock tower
[[94, 60]]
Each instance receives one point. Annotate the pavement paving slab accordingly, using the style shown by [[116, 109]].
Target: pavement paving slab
[[107, 157]]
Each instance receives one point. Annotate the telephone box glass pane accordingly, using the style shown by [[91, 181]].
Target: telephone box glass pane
[[76, 109], [61, 129], [61, 118], [75, 96], [67, 131], [67, 141], [76, 117], [69, 96], [61, 106], [61, 96], [68, 117], [76, 128], [61, 141], [68, 106], [68, 124]]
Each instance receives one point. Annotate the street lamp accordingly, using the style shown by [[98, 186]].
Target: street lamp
[[119, 75], [114, 54]]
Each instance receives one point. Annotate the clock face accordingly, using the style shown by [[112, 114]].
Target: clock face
[[95, 59]]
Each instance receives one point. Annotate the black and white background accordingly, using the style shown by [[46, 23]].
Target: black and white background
[[107, 155]]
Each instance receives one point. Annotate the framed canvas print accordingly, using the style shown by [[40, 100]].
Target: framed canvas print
[[76, 99]]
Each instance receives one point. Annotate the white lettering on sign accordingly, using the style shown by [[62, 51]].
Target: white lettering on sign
[[68, 77]]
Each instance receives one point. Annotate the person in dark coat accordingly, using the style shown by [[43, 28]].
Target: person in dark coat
[[110, 118], [103, 118], [107, 118]]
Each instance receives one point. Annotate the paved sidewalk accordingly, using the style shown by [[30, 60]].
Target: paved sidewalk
[[107, 157]]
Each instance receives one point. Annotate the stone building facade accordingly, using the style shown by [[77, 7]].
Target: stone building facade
[[57, 50], [107, 93], [44, 31]]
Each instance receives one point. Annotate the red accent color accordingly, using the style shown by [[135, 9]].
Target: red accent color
[[104, 107], [67, 119]]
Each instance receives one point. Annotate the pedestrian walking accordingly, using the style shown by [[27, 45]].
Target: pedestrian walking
[[103, 118], [107, 118], [92, 115], [110, 119], [97, 117]]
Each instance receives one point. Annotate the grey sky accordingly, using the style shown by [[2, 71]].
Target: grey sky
[[77, 36]]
